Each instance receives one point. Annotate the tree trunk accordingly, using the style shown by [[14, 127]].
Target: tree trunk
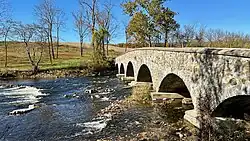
[[81, 46], [50, 58], [35, 69], [103, 48], [126, 48], [93, 44], [166, 38], [186, 44], [150, 43], [28, 54], [107, 48], [51, 42], [93, 21], [34, 54], [57, 42], [6, 51], [52, 48]]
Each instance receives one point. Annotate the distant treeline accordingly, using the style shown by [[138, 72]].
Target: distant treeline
[[199, 36]]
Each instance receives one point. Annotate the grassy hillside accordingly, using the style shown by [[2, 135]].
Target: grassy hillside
[[69, 56]]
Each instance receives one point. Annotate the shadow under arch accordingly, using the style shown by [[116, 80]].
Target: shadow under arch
[[144, 74], [235, 107], [130, 70], [122, 69], [174, 84], [116, 69]]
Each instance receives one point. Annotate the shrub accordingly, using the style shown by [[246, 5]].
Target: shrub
[[97, 62]]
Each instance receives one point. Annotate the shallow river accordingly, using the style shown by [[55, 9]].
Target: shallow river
[[65, 109]]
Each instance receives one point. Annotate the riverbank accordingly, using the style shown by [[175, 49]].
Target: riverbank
[[78, 71]]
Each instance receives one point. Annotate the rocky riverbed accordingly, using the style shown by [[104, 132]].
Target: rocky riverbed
[[130, 120]]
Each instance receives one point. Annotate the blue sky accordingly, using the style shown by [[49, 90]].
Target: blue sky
[[229, 15]]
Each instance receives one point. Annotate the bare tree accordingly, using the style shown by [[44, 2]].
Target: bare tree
[[60, 22], [80, 27], [200, 35], [37, 34], [103, 20], [109, 23], [179, 37], [125, 25], [7, 28], [219, 36], [90, 7], [4, 10], [46, 13], [4, 15], [189, 33], [210, 36]]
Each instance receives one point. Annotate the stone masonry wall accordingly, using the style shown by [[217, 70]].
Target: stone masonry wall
[[209, 73]]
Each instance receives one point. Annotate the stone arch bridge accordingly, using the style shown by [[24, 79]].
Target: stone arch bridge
[[216, 77]]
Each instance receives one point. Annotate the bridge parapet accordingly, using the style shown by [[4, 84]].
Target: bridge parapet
[[236, 52]]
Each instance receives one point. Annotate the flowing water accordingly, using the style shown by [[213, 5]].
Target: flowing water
[[65, 108]]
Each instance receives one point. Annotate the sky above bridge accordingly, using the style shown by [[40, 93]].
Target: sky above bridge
[[229, 15]]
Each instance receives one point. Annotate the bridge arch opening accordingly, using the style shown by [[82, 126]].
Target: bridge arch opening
[[116, 69], [237, 107], [144, 74], [130, 70], [122, 69], [174, 84]]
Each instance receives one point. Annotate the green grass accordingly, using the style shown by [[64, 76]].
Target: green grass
[[69, 57]]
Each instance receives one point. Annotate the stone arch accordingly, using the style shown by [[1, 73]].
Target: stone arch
[[130, 70], [172, 83], [234, 107], [122, 71], [144, 74]]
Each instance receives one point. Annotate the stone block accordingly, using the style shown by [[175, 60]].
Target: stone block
[[120, 75], [127, 79], [192, 117], [187, 101]]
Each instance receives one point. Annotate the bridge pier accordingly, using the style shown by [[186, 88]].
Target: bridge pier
[[124, 78], [120, 75], [134, 83], [162, 96], [127, 79], [192, 117]]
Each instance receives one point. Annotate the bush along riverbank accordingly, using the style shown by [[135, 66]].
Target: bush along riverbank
[[88, 68], [137, 118]]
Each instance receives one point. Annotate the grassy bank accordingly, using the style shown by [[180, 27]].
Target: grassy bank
[[68, 59]]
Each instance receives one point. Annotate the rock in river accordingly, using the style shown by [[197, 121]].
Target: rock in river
[[22, 111]]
